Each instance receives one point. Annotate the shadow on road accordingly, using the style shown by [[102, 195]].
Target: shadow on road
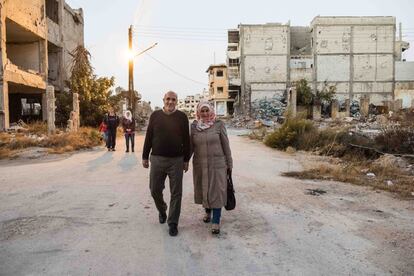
[[128, 162], [105, 158]]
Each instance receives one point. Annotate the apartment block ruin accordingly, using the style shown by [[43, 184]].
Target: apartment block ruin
[[360, 56], [219, 89], [37, 38]]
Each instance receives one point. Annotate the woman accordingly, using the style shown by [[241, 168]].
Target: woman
[[128, 124], [211, 162], [112, 121]]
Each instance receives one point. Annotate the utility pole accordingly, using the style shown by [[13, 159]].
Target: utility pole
[[131, 104]]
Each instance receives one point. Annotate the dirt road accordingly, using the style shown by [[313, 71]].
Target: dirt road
[[92, 214]]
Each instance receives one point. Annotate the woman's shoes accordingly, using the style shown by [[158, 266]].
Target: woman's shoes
[[215, 229], [207, 218]]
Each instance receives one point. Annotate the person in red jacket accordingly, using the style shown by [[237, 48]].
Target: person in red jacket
[[103, 128], [128, 124]]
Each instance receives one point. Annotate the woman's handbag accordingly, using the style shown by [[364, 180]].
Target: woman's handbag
[[231, 199]]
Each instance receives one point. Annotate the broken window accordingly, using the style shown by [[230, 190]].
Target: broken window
[[52, 10], [219, 73], [30, 107], [233, 36], [220, 90], [233, 62]]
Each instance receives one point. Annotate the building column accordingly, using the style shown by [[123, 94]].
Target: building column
[[4, 106], [50, 102], [76, 110], [292, 102]]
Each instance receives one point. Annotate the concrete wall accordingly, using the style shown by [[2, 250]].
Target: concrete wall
[[266, 90], [333, 68], [373, 67], [266, 68], [25, 56], [53, 32], [404, 71], [73, 36], [17, 11], [265, 56], [301, 68], [356, 53], [332, 39], [269, 39], [373, 39]]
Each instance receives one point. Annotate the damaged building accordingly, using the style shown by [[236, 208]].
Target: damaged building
[[360, 56], [37, 38], [219, 89]]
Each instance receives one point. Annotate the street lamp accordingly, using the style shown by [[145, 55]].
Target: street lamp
[[131, 70]]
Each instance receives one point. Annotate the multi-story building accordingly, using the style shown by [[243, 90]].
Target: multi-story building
[[357, 55], [219, 89], [189, 103], [37, 38]]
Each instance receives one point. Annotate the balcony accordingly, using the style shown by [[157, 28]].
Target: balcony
[[233, 54]]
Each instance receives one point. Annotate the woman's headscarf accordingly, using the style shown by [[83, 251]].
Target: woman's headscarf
[[206, 123], [128, 115]]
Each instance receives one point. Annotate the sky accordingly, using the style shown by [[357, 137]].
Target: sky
[[191, 35]]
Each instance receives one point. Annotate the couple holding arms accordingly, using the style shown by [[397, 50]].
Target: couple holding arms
[[171, 146]]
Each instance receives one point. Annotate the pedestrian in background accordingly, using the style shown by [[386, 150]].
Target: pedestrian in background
[[212, 162], [112, 121], [103, 129], [128, 124]]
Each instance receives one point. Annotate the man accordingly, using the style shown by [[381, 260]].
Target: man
[[168, 140]]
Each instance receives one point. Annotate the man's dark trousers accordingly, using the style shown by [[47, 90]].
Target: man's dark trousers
[[161, 167]]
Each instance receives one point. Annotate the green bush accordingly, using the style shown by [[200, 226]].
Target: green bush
[[289, 134]]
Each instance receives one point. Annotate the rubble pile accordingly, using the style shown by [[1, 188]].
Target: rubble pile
[[268, 109], [354, 109]]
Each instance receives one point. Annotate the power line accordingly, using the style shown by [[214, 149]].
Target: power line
[[175, 72]]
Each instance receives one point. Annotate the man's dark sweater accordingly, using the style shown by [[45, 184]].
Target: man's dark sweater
[[167, 135]]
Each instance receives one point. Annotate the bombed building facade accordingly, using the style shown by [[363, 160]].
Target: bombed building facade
[[37, 38], [360, 56]]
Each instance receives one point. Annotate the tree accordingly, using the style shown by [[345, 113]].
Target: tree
[[94, 93], [326, 95], [304, 93]]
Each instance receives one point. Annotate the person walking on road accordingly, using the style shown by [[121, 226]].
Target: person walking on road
[[112, 122], [128, 124], [168, 140], [212, 162]]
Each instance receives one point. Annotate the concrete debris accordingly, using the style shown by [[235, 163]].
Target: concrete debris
[[390, 183], [354, 109], [371, 174], [389, 160], [315, 192], [18, 127], [290, 150], [267, 109]]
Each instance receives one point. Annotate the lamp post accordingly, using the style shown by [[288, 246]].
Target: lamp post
[[131, 93]]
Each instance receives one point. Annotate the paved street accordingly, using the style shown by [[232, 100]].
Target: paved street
[[92, 214]]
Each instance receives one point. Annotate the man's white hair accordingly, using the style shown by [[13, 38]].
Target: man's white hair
[[171, 92]]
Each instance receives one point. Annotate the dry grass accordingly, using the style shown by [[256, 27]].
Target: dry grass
[[36, 136], [356, 173]]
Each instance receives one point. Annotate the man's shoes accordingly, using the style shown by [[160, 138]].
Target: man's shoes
[[173, 231], [127, 150], [162, 217], [132, 149], [109, 149], [113, 149]]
